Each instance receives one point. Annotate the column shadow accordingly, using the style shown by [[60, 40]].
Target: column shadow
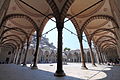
[[16, 72]]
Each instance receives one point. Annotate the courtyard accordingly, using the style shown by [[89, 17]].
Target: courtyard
[[46, 72]]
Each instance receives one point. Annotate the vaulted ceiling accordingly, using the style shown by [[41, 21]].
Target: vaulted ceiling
[[39, 9]]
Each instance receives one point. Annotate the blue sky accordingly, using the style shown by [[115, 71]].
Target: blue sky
[[69, 40]]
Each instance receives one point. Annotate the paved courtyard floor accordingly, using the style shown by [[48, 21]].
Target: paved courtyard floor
[[46, 72]]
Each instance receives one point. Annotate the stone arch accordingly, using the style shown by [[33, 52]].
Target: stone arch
[[76, 26], [77, 56], [110, 40], [52, 52], [44, 21], [20, 30], [102, 47], [11, 40], [15, 29], [13, 36], [10, 46], [97, 41], [102, 29], [99, 45], [107, 17], [107, 46], [12, 16], [15, 46], [46, 53]]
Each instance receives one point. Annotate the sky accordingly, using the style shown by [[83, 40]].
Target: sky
[[69, 40]]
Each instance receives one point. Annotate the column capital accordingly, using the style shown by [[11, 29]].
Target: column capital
[[80, 37], [60, 24]]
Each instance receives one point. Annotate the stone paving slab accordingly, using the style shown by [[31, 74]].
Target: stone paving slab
[[46, 72]]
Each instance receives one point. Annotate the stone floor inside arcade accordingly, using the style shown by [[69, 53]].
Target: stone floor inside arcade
[[46, 72]]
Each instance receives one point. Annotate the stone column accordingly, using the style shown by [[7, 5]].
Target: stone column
[[59, 24], [82, 53], [19, 59], [11, 56], [118, 50], [25, 58], [97, 55], [101, 57], [16, 56], [91, 54], [36, 52], [87, 58], [105, 57]]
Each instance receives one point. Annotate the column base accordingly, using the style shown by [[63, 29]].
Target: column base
[[59, 74], [94, 65], [34, 67], [99, 63], [18, 63], [102, 63], [84, 68], [24, 65]]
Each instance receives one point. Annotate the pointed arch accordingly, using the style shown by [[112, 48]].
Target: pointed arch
[[105, 36], [13, 36], [14, 45], [102, 42], [11, 40], [102, 29], [107, 17], [102, 46], [14, 29], [12, 16], [107, 46], [74, 23], [10, 46]]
